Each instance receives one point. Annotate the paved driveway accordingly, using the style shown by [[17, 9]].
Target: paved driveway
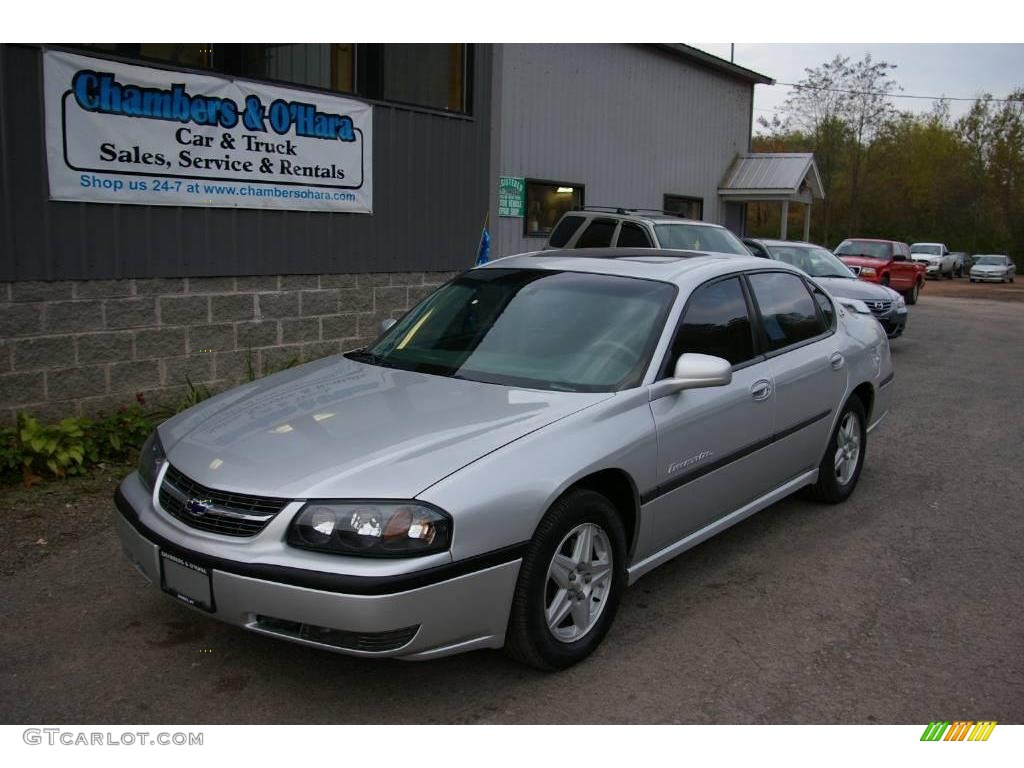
[[903, 605]]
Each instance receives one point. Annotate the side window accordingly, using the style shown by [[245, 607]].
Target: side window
[[825, 305], [787, 309], [716, 323], [565, 230], [633, 236], [598, 234]]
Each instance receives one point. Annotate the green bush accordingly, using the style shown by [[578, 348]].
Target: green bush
[[32, 450]]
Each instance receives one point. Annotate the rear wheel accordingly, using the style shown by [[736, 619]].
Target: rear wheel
[[570, 583], [840, 468]]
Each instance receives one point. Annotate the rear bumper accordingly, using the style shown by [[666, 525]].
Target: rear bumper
[[394, 617]]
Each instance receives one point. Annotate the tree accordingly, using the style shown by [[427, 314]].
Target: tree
[[815, 106], [866, 107]]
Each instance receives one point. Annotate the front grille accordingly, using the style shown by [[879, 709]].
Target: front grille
[[370, 642], [230, 514], [879, 307]]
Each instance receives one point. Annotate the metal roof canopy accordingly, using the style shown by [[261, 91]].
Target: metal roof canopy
[[755, 177], [781, 177]]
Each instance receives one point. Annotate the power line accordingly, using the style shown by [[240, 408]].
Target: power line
[[802, 87]]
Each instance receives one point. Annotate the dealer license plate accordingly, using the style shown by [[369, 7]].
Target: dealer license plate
[[190, 583]]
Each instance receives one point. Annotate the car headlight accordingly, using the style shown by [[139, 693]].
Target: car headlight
[[371, 528], [151, 459], [869, 271], [901, 303], [856, 305]]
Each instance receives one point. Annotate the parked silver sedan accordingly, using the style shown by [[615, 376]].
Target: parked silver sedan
[[992, 269], [522, 445]]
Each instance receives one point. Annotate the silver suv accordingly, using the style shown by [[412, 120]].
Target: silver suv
[[633, 228]]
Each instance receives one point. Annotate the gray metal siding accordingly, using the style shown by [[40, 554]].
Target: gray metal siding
[[431, 191], [632, 123]]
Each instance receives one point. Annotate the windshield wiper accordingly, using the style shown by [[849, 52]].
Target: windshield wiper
[[365, 356]]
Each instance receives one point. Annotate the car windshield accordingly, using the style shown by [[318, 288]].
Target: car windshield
[[816, 262], [867, 248], [931, 250], [697, 237], [539, 329], [995, 261]]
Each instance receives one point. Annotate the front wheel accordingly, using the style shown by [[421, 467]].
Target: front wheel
[[840, 467], [911, 295], [570, 583]]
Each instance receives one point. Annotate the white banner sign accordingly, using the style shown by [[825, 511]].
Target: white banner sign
[[117, 133]]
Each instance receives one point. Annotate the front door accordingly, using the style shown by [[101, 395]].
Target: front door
[[709, 440]]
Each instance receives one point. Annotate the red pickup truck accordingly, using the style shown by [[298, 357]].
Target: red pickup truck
[[886, 262]]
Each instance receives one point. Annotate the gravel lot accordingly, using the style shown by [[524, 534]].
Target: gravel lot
[[902, 606]]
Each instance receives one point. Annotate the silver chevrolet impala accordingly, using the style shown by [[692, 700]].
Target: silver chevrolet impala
[[502, 462]]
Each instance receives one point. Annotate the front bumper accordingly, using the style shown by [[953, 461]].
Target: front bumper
[[933, 270], [989, 278], [418, 615], [893, 323]]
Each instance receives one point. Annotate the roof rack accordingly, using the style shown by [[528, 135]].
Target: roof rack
[[624, 211]]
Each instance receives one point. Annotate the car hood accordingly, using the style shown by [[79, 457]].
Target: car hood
[[930, 258], [337, 428], [988, 268], [843, 288]]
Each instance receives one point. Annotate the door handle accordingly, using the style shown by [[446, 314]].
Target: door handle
[[837, 360], [761, 389]]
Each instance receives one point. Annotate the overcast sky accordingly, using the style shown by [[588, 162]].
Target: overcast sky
[[926, 69]]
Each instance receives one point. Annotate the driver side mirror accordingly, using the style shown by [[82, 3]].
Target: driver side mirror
[[694, 371]]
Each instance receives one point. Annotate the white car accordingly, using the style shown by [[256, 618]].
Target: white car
[[993, 268]]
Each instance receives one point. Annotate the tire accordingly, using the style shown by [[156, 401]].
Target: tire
[[950, 275], [529, 639], [973, 280], [834, 487], [911, 295]]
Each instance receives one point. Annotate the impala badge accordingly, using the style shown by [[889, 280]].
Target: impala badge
[[688, 462]]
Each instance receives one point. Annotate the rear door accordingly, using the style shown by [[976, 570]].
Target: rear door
[[710, 441], [797, 321]]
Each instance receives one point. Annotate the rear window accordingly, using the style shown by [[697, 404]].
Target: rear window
[[565, 230], [865, 248]]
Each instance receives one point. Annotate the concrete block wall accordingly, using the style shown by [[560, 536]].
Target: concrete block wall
[[81, 348]]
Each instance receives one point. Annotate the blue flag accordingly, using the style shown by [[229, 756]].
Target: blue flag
[[485, 247]]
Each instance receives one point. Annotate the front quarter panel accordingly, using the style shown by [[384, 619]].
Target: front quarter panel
[[498, 500]]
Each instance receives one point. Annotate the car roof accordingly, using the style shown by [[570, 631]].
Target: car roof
[[870, 240], [673, 266]]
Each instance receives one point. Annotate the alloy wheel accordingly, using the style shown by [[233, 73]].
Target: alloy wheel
[[578, 583], [847, 449]]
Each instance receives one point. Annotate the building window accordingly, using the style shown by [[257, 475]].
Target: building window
[[426, 75], [546, 202], [687, 207]]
